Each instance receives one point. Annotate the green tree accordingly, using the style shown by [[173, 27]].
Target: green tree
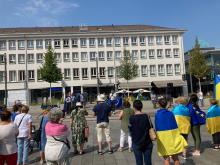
[[128, 68], [197, 63], [49, 70]]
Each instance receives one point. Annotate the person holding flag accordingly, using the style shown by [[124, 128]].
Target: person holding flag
[[213, 123], [170, 143], [217, 87]]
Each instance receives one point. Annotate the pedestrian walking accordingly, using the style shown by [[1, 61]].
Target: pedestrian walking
[[57, 145], [213, 123], [16, 109], [67, 104], [24, 123], [201, 99], [124, 116], [139, 126], [8, 134], [78, 127], [197, 119], [182, 116], [170, 143], [102, 112]]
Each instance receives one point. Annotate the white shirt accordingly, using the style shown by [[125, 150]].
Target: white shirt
[[24, 126], [8, 144], [200, 95]]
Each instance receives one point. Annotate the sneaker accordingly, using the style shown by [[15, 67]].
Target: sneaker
[[110, 151], [215, 148], [100, 153], [120, 149]]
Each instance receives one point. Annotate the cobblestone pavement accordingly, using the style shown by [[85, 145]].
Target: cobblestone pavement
[[91, 157]]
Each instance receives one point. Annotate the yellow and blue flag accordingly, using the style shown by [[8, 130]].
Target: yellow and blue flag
[[213, 119], [217, 87], [182, 116], [169, 139]]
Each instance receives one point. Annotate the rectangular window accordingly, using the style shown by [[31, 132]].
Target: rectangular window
[[21, 44], [39, 44], [92, 42], [21, 75], [117, 41], [2, 45], [109, 41], [100, 42], [66, 57], [167, 40], [74, 43], [93, 73], [159, 40], [12, 76], [175, 39], [30, 58], [152, 70], [109, 55], [177, 69], [39, 78], [2, 76], [176, 53], [83, 42], [92, 56], [66, 43], [75, 73], [84, 73], [161, 70], [47, 43], [31, 76], [144, 70], [117, 55], [126, 41], [2, 58], [67, 74], [142, 40], [134, 54], [75, 56], [151, 54], [110, 71], [101, 56], [39, 58], [12, 59], [12, 45], [168, 53], [133, 41], [30, 44], [143, 54], [102, 72], [84, 56], [57, 44], [57, 57], [169, 69], [150, 40], [21, 58], [159, 53]]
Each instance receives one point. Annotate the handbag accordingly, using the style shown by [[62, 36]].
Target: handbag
[[67, 143], [37, 134], [86, 132], [152, 132]]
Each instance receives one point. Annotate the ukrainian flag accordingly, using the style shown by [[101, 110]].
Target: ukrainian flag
[[182, 116], [169, 140], [217, 87], [213, 119]]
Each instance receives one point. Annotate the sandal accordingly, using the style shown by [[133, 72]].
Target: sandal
[[81, 152], [110, 151], [100, 152]]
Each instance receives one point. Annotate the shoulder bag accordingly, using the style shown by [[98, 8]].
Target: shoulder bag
[[65, 142], [152, 132], [37, 134], [21, 121]]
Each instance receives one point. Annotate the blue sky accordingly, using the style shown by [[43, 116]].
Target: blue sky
[[199, 17]]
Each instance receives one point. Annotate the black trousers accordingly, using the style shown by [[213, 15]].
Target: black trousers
[[216, 138]]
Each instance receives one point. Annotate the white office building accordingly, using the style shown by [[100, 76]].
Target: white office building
[[158, 51]]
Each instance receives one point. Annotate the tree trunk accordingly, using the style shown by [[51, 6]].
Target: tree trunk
[[50, 94], [127, 88], [199, 85]]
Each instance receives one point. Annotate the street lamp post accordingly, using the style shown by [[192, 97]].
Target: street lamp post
[[6, 89], [26, 71], [97, 70]]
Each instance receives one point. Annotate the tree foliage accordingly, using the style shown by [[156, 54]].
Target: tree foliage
[[128, 69], [49, 70], [197, 63]]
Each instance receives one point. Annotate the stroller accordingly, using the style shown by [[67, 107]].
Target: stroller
[[33, 144]]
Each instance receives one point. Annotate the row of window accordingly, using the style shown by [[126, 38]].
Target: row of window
[[91, 56], [143, 71], [91, 42]]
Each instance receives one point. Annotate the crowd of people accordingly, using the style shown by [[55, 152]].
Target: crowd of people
[[171, 128]]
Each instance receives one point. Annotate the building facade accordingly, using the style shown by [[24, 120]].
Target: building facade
[[158, 51]]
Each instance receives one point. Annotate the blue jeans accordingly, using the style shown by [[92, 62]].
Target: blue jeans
[[140, 154], [23, 148]]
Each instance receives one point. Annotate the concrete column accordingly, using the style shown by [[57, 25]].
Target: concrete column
[[71, 90], [185, 90], [81, 89], [64, 92]]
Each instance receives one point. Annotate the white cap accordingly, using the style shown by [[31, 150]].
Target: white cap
[[101, 98]]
